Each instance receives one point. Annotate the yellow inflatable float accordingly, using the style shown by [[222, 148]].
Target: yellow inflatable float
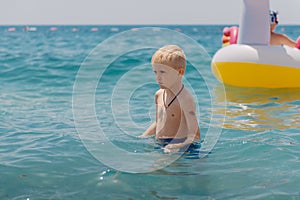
[[252, 62]]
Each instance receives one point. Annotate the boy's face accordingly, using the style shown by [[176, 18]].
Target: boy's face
[[165, 76]]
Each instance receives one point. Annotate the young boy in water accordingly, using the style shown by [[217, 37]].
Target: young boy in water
[[277, 38], [176, 123]]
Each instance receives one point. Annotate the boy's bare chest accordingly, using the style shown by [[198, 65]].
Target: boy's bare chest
[[173, 112]]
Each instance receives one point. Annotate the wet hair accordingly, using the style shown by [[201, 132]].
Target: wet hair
[[170, 55]]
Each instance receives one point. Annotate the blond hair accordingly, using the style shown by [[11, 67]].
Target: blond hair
[[170, 55]]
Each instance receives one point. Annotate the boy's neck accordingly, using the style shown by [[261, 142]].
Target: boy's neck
[[174, 89]]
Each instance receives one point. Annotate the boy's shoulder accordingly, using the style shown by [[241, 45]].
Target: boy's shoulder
[[159, 92], [187, 94]]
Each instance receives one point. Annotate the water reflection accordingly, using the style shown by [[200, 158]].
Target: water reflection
[[258, 109]]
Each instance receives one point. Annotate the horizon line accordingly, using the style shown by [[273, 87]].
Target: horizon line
[[213, 24]]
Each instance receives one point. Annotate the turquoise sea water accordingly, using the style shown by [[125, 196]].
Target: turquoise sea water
[[43, 154]]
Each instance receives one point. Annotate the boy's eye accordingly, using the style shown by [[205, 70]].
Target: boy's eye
[[162, 72], [155, 72]]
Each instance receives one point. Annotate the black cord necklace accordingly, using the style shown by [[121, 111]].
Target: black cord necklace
[[173, 98]]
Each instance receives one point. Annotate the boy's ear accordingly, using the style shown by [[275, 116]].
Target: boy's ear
[[181, 71]]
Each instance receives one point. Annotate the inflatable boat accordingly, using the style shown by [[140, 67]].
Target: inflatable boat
[[249, 61]]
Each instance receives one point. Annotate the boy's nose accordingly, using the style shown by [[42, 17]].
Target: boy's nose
[[159, 79]]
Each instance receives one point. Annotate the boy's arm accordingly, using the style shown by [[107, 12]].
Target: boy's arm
[[282, 39], [152, 128], [285, 40], [150, 131]]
